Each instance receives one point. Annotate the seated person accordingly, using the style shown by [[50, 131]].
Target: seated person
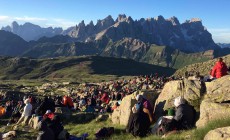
[[67, 101], [45, 133], [185, 115], [220, 69], [141, 119], [48, 117], [183, 119], [16, 113], [26, 114], [56, 126]]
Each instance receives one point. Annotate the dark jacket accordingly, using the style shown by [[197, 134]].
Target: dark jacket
[[184, 117], [45, 133], [56, 126]]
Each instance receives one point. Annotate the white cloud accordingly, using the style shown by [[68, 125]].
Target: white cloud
[[4, 18], [29, 19], [43, 22], [56, 22], [220, 35]]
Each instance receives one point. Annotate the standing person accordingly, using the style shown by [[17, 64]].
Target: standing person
[[26, 112], [220, 69]]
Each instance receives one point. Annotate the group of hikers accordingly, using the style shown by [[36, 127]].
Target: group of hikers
[[105, 97]]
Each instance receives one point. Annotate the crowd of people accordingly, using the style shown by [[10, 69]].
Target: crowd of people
[[101, 98]]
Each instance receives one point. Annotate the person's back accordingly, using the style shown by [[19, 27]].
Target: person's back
[[45, 133], [56, 126], [220, 69], [184, 115]]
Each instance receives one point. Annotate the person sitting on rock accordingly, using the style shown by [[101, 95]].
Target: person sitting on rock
[[220, 69], [26, 112], [147, 107], [185, 115], [141, 119]]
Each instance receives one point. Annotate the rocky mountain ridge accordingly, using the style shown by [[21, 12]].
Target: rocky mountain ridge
[[190, 36]]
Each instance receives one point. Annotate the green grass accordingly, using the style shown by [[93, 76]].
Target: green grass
[[81, 123]]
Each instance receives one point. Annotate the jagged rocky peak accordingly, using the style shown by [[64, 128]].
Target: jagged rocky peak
[[81, 24], [91, 23], [109, 18], [195, 20], [107, 21], [174, 20], [129, 19], [159, 18], [14, 24], [121, 18]]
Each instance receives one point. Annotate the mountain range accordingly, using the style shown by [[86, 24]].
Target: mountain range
[[158, 41]]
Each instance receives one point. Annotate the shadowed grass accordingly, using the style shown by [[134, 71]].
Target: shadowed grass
[[81, 123]]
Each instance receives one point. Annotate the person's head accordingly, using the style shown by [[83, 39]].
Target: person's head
[[178, 101], [220, 59], [48, 111], [139, 98], [27, 101]]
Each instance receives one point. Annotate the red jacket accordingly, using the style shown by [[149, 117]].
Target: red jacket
[[220, 69], [67, 101]]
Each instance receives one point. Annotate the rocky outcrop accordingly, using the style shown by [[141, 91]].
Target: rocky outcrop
[[191, 90], [216, 104], [122, 114], [218, 90], [212, 111], [218, 134]]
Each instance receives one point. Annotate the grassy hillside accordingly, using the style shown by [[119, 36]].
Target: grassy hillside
[[168, 57], [80, 69], [204, 67]]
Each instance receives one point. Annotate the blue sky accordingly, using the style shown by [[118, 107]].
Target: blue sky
[[215, 14]]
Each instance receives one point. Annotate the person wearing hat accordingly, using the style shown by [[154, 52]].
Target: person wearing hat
[[26, 112], [185, 115], [147, 107], [141, 118]]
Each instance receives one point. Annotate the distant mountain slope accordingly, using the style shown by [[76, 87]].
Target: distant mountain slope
[[29, 31], [224, 45], [88, 68], [204, 67], [154, 54], [11, 44]]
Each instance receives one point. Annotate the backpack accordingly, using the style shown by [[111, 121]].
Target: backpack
[[165, 126]]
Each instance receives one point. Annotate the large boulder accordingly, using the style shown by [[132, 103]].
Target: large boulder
[[191, 90], [216, 103], [218, 134], [211, 111], [122, 114], [218, 90]]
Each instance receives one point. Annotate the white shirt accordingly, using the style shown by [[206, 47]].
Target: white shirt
[[27, 110]]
